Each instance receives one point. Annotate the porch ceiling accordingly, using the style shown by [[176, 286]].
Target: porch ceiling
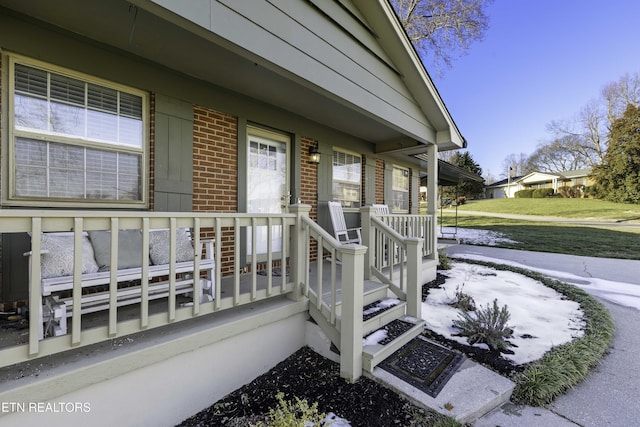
[[118, 24]]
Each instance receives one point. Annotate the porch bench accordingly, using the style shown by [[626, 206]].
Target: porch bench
[[57, 306]]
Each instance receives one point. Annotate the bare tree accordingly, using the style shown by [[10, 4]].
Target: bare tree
[[515, 165], [618, 95], [559, 155], [443, 29], [588, 130]]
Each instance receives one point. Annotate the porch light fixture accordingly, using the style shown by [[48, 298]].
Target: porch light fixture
[[314, 155]]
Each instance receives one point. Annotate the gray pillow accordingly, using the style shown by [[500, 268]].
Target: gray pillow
[[58, 261], [159, 246], [129, 248]]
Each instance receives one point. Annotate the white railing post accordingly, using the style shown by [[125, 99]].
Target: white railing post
[[414, 277], [432, 197], [352, 257], [368, 238], [299, 263]]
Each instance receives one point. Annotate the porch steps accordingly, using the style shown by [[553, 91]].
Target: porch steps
[[385, 316], [372, 355]]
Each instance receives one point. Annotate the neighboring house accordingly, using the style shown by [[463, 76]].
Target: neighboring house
[[504, 188], [165, 114], [556, 181]]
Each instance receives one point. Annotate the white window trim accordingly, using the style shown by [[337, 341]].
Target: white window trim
[[407, 190], [333, 179], [9, 133]]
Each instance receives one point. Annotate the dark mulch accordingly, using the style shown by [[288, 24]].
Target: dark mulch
[[309, 376]]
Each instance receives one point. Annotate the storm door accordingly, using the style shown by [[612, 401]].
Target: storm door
[[267, 187]]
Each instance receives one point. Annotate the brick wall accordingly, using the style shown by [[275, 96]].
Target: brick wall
[[215, 161], [379, 181], [309, 178], [309, 188], [215, 172]]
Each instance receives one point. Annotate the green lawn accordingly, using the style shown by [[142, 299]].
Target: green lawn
[[567, 208], [554, 237]]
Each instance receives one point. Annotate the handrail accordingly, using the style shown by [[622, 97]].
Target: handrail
[[228, 230], [326, 243]]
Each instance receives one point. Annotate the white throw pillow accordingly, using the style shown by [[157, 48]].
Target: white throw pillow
[[59, 259], [159, 246]]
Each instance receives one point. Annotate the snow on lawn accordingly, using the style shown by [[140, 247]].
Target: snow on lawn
[[627, 294], [540, 317], [472, 236]]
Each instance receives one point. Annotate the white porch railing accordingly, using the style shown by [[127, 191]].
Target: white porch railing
[[301, 241], [419, 226], [226, 229]]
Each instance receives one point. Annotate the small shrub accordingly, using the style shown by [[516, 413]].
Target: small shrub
[[461, 200], [443, 261], [298, 414], [463, 301], [488, 326]]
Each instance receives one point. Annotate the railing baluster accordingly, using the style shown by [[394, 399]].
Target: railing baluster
[[144, 277], [76, 314], [270, 259], [172, 269], [236, 262], [35, 291], [197, 250], [254, 257], [285, 253], [113, 282], [320, 243], [218, 262]]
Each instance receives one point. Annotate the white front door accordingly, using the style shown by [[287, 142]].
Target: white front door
[[267, 184]]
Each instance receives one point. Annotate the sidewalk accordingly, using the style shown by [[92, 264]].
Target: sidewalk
[[610, 394]]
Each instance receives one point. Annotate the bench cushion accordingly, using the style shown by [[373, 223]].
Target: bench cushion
[[129, 249], [159, 246], [58, 258]]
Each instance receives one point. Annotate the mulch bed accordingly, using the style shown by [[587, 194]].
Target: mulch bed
[[309, 376]]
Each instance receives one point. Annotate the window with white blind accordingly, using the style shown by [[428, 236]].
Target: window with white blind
[[400, 190], [347, 178], [74, 139]]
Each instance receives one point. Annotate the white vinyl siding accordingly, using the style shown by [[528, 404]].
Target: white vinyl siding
[[347, 179], [75, 139]]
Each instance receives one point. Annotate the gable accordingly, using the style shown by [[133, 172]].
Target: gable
[[346, 53]]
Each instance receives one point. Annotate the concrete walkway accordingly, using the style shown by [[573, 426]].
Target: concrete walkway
[[610, 396]]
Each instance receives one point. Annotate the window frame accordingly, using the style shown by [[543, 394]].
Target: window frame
[[11, 134], [334, 180], [395, 189]]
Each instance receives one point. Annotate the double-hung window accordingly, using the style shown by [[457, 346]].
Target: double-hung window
[[347, 178], [400, 189], [75, 140]]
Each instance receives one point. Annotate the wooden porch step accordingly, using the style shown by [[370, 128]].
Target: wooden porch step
[[373, 291], [395, 310], [374, 354]]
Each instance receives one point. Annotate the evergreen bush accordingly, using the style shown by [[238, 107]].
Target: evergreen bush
[[524, 194]]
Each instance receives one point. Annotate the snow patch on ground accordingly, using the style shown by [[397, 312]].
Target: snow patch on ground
[[540, 317], [626, 294]]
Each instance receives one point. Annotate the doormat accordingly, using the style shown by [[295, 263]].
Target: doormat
[[424, 364]]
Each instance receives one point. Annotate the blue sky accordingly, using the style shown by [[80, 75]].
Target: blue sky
[[540, 60]]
